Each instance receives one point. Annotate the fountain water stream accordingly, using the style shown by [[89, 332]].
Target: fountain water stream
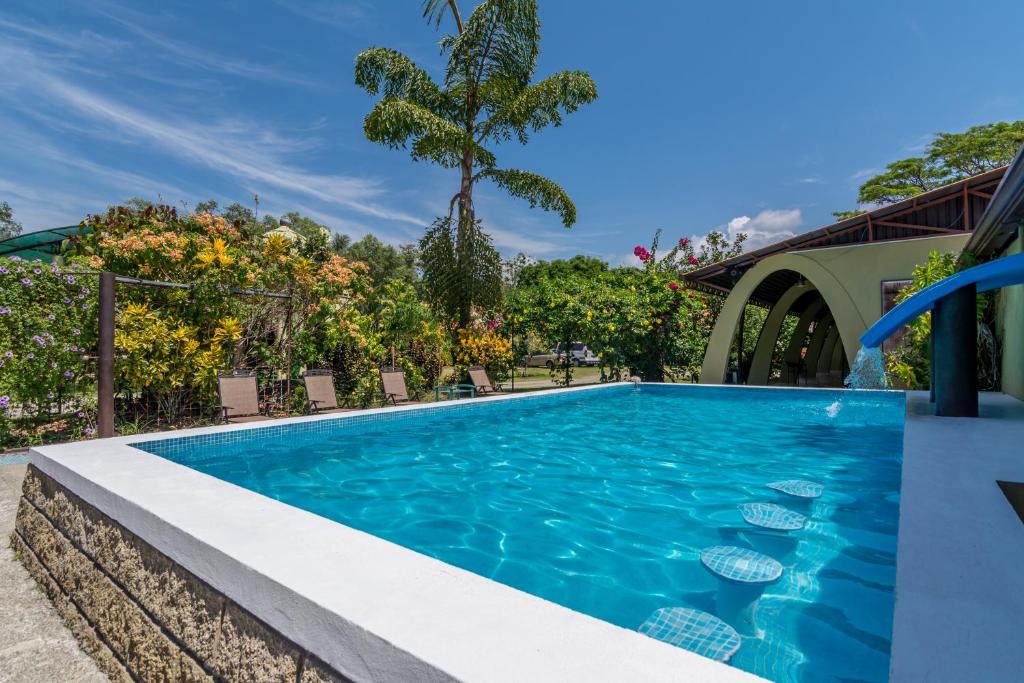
[[868, 370]]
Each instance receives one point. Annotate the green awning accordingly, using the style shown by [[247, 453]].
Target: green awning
[[41, 244]]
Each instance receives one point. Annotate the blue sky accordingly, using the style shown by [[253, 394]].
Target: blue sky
[[760, 116]]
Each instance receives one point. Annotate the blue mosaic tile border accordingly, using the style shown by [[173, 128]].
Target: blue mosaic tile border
[[173, 448]]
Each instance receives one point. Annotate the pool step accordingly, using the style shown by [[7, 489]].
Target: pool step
[[800, 488], [740, 564], [693, 630], [772, 516]]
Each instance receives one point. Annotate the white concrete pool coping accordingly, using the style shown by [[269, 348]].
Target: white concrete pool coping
[[960, 560], [373, 610], [377, 611]]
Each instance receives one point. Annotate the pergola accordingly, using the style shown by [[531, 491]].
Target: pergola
[[43, 245], [833, 279]]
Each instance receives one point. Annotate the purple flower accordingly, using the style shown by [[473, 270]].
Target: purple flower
[[39, 340], [85, 307], [15, 258], [76, 332], [4, 310], [80, 414], [67, 301], [51, 317], [89, 431], [9, 354], [1, 362], [85, 290], [70, 279], [3, 270], [69, 374], [49, 395], [25, 281], [53, 364], [37, 271], [5, 401], [30, 355]]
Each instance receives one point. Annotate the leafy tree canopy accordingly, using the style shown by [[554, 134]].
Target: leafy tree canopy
[[948, 158], [385, 261], [8, 226]]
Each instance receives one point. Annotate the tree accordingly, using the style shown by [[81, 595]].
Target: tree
[[486, 98], [948, 158], [586, 267], [385, 261], [8, 226]]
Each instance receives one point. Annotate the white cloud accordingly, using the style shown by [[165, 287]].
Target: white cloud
[[235, 147], [810, 180], [767, 227], [862, 175]]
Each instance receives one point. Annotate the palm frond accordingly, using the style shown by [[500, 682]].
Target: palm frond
[[395, 122], [536, 189], [380, 70], [535, 107], [434, 11], [501, 38]]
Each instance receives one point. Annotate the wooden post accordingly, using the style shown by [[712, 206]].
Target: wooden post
[[105, 364]]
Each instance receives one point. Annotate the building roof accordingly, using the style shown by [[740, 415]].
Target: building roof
[[42, 244], [1004, 215], [936, 212]]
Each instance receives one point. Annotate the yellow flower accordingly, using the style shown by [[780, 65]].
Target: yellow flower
[[216, 254]]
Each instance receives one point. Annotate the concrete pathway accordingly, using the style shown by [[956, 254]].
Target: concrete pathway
[[34, 644]]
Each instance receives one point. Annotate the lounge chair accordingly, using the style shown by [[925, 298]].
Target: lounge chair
[[479, 379], [239, 398], [320, 394], [393, 383]]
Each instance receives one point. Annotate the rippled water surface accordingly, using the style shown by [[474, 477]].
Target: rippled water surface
[[602, 501]]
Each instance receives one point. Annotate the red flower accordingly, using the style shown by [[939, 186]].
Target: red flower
[[673, 286], [637, 250], [693, 261], [683, 242]]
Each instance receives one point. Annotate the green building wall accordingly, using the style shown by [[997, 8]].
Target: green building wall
[[1010, 328]]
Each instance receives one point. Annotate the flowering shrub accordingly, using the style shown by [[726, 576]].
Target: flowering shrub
[[47, 336], [483, 345], [173, 343]]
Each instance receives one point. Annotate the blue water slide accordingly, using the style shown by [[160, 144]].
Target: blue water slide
[[992, 275]]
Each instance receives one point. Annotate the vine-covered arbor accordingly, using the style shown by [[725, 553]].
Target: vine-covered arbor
[[824, 288]]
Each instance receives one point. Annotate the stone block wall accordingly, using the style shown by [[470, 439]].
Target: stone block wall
[[139, 614]]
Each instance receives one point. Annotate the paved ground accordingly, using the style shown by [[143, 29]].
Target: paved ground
[[34, 644]]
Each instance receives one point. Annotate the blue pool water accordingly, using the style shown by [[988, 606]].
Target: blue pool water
[[602, 501]]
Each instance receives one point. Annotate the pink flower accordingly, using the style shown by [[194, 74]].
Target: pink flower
[[493, 325], [693, 261], [637, 250], [673, 286], [683, 242]]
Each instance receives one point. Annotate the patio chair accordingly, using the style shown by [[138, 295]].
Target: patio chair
[[392, 381], [320, 394], [479, 379], [239, 398]]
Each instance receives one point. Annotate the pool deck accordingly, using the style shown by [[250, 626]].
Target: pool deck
[[959, 586]]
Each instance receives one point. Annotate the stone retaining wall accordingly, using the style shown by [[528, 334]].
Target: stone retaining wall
[[140, 615]]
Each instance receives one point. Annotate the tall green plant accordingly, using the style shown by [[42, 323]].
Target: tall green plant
[[486, 98]]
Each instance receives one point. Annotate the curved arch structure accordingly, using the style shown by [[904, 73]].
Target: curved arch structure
[[844, 313]]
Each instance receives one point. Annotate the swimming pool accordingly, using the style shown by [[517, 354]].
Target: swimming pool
[[603, 501]]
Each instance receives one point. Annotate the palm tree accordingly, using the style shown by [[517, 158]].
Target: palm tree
[[487, 98]]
